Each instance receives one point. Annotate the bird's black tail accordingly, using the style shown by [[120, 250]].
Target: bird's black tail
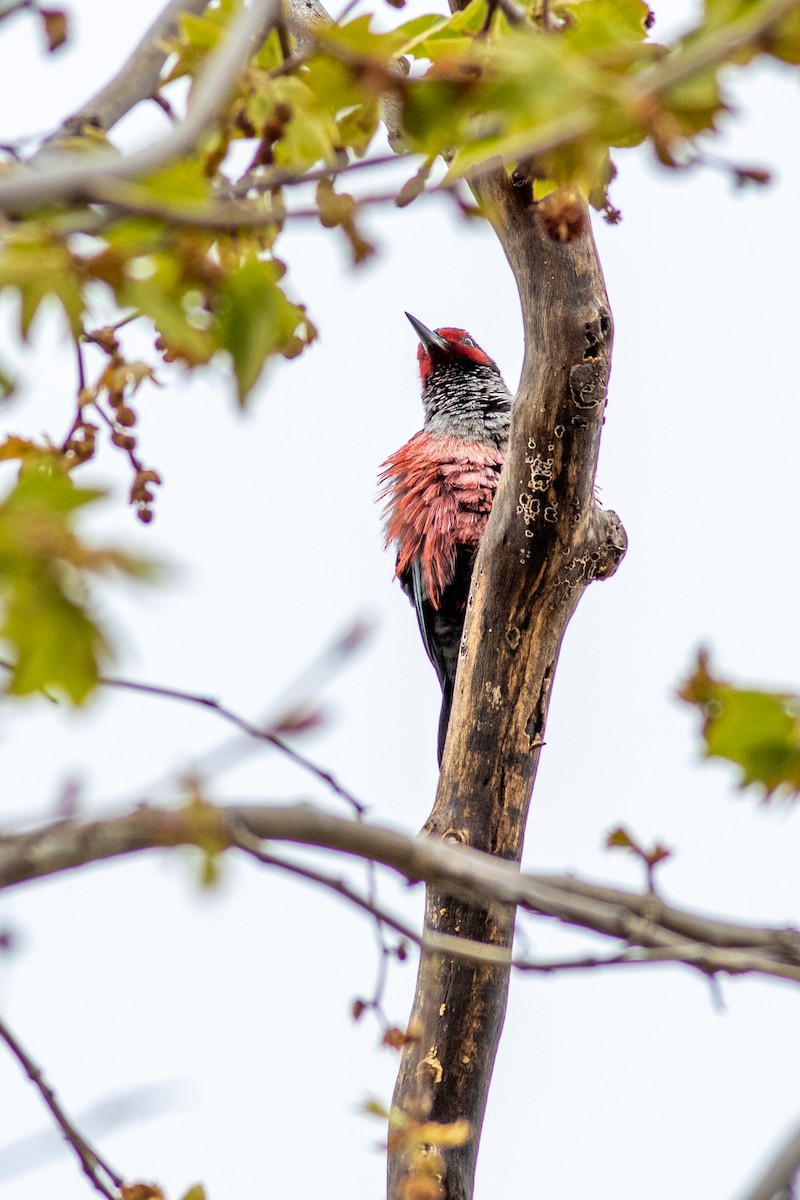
[[448, 691]]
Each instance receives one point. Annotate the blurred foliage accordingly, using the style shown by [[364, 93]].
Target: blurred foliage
[[757, 730], [549, 90], [47, 622]]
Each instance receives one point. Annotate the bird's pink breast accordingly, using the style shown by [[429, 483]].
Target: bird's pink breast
[[439, 492]]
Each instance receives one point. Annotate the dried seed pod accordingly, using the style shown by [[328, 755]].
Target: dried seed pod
[[125, 416], [123, 440]]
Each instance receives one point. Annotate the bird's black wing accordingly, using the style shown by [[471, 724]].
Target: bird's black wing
[[426, 616], [441, 628]]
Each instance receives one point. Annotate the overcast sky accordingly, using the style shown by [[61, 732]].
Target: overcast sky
[[230, 1009]]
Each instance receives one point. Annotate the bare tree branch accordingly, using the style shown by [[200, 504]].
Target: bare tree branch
[[136, 80], [545, 541], [665, 933], [246, 727], [69, 178], [340, 887], [92, 1165], [306, 19]]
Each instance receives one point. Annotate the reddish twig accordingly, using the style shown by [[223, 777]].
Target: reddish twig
[[92, 1165], [253, 731]]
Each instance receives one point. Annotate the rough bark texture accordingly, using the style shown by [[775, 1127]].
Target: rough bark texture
[[546, 540]]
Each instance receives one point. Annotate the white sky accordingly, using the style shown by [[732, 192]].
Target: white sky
[[611, 1085]]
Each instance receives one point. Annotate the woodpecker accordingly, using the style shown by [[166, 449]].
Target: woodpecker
[[439, 489]]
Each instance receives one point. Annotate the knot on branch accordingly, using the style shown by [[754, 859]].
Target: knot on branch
[[612, 545], [601, 552], [587, 384]]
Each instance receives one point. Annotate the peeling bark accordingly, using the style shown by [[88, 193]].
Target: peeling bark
[[546, 540]]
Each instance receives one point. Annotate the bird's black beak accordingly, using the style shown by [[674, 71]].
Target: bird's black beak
[[429, 339]]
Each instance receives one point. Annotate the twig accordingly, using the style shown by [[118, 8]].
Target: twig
[[253, 731], [137, 79], [457, 947], [321, 667], [15, 7], [249, 845], [31, 1151], [68, 179], [81, 369], [711, 50], [512, 13], [133, 457], [240, 214], [305, 19], [163, 103], [267, 179], [665, 933], [92, 1164], [93, 335], [345, 13]]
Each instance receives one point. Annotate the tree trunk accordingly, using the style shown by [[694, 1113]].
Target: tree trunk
[[546, 540]]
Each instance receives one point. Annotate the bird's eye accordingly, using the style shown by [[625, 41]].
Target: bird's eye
[[467, 341]]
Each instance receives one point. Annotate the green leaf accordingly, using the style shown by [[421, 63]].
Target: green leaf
[[757, 730], [197, 1192], [358, 38], [46, 617], [7, 385], [199, 31], [165, 306], [270, 55], [255, 320], [182, 181], [598, 25], [36, 267], [57, 643], [784, 40]]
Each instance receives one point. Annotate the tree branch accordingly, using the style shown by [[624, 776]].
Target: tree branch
[[245, 726], [776, 1181], [136, 80], [92, 1165], [546, 540], [340, 887], [70, 178], [715, 48], [667, 934]]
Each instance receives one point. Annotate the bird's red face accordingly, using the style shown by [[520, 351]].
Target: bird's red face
[[438, 347], [459, 345]]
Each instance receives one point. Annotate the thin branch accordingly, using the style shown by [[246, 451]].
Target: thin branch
[[457, 947], [712, 50], [92, 1165], [253, 731], [776, 1181], [667, 934], [74, 181], [294, 698], [265, 179], [16, 6], [250, 846], [305, 19], [137, 78], [69, 179], [232, 215]]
